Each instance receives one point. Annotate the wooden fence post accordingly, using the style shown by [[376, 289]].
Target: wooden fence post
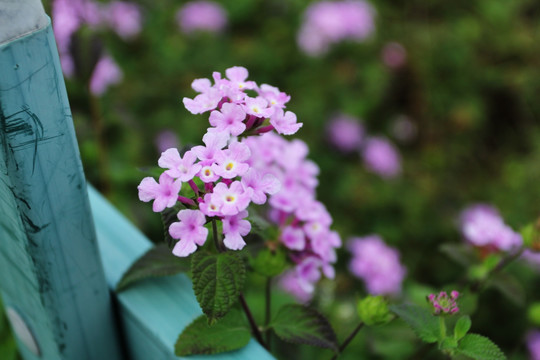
[[51, 277]]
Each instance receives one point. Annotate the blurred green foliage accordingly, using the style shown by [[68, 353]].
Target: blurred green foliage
[[470, 85]]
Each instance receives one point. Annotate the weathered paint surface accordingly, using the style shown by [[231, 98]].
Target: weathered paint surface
[[50, 269], [155, 311]]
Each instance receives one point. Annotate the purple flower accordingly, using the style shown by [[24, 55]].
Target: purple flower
[[207, 174], [345, 133], [190, 230], [260, 185], [166, 139], [234, 227], [284, 123], [106, 73], [237, 76], [293, 238], [273, 95], [482, 225], [257, 107], [328, 22], [214, 143], [290, 283], [381, 157], [394, 55], [231, 200], [210, 207], [533, 344], [229, 119], [164, 193], [124, 18], [183, 168], [231, 163], [377, 265], [444, 303], [201, 15], [203, 102]]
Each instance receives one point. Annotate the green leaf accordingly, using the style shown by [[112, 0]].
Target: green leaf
[[230, 333], [463, 325], [459, 253], [423, 322], [217, 282], [300, 324], [480, 348], [168, 216], [449, 343], [268, 263], [156, 262]]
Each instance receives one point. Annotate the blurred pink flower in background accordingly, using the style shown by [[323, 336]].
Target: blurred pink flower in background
[[394, 55], [124, 18], [201, 15], [345, 133], [376, 264], [482, 225], [381, 157], [533, 344], [166, 139], [329, 22], [106, 73]]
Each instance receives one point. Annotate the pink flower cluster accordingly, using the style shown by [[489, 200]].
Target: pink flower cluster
[[377, 265], [304, 223], [329, 22], [69, 15], [379, 154], [223, 164], [483, 226], [201, 15], [533, 344], [444, 303]]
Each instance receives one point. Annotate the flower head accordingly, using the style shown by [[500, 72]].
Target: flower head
[[234, 227], [106, 73], [230, 199], [381, 157], [442, 303], [183, 168], [229, 119], [201, 15], [345, 133]]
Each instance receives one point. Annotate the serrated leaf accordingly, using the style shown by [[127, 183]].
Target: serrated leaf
[[230, 333], [509, 286], [463, 325], [168, 216], [480, 348], [423, 322], [156, 262], [300, 324], [449, 343], [217, 282], [268, 263]]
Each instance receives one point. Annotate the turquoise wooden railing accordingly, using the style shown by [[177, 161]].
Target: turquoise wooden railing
[[62, 250]]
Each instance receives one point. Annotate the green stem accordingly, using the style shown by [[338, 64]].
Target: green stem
[[252, 323], [217, 243], [348, 339], [442, 327], [504, 262]]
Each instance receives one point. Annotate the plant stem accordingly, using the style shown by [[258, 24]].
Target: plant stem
[[216, 236], [348, 339], [442, 327], [478, 285], [252, 322], [268, 312]]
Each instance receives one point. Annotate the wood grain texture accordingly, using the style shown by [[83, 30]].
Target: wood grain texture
[[50, 269], [154, 311]]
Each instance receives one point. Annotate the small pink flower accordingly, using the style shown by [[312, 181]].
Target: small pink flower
[[231, 163], [125, 18], [190, 230], [237, 76], [293, 238], [231, 200], [381, 157], [234, 227], [285, 123], [345, 133], [444, 303], [273, 95], [257, 107], [183, 168], [260, 185], [204, 102], [166, 139], [214, 143], [106, 73], [209, 206], [201, 16], [207, 174], [229, 119], [164, 193]]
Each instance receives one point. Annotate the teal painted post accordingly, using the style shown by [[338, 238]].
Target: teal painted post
[[51, 275]]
